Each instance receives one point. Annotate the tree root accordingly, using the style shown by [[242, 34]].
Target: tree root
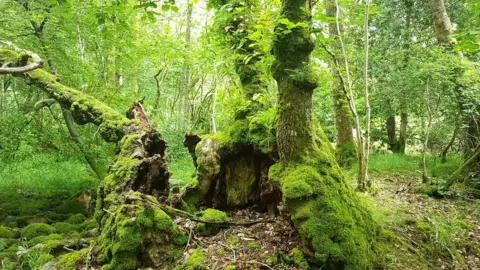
[[177, 212]]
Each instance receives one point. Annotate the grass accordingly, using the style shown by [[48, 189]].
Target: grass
[[182, 171], [403, 163], [42, 183]]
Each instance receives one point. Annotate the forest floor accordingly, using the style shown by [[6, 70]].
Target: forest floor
[[427, 233], [431, 233]]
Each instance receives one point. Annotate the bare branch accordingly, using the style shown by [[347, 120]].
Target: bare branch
[[37, 61]]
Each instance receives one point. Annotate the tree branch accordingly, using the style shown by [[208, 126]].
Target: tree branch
[[37, 61]]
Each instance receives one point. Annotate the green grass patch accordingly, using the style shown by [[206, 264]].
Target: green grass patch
[[403, 163], [42, 183], [182, 171]]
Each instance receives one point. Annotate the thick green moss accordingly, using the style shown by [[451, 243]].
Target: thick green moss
[[65, 228], [37, 229], [196, 261], [5, 233], [346, 154], [8, 56], [329, 216], [70, 260], [44, 238], [128, 228], [84, 108], [299, 259], [211, 215], [76, 219]]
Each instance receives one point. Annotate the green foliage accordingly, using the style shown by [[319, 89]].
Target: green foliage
[[37, 229]]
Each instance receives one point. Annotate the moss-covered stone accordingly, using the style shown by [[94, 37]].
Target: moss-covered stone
[[196, 261], [44, 238], [211, 215], [5, 232], [65, 228], [76, 219], [37, 229], [71, 260]]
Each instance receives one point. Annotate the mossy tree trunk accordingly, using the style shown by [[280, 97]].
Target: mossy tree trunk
[[332, 221], [232, 166], [346, 151], [132, 234]]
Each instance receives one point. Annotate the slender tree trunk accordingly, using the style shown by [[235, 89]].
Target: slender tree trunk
[[185, 84], [343, 116], [402, 140], [391, 126], [425, 178], [97, 168], [449, 145], [467, 164], [363, 178]]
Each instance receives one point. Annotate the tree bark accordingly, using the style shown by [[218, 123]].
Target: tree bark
[[402, 139], [449, 145], [314, 189]]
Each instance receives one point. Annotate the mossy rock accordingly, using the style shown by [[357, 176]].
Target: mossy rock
[[76, 219], [212, 215], [40, 239], [37, 229], [5, 232], [71, 260], [196, 261], [65, 228]]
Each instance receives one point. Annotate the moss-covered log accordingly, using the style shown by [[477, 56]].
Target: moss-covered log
[[132, 234], [337, 228]]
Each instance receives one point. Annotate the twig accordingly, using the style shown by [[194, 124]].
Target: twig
[[233, 251], [107, 211], [257, 262], [178, 212], [188, 242]]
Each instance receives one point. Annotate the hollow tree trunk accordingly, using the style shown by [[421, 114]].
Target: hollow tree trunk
[[325, 210], [346, 151], [232, 166], [132, 234]]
